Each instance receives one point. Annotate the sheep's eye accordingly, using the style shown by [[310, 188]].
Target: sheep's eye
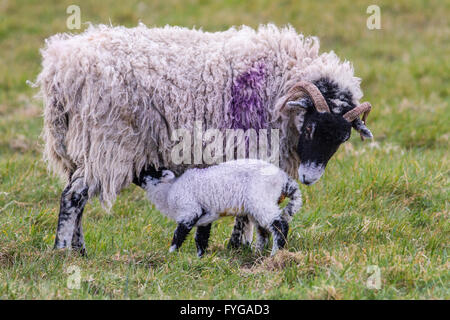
[[309, 131]]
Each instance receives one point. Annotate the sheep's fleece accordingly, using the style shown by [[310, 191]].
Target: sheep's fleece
[[244, 186], [114, 95]]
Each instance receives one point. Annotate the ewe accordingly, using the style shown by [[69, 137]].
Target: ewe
[[114, 96]]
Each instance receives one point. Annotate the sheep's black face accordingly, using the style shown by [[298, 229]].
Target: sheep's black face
[[321, 134], [320, 137]]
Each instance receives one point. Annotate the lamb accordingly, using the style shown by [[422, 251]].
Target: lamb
[[241, 187], [114, 96]]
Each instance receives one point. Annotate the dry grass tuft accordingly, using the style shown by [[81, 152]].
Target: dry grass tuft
[[7, 256]]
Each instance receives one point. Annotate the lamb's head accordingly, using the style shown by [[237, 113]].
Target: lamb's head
[[157, 184], [158, 177], [324, 117], [162, 176]]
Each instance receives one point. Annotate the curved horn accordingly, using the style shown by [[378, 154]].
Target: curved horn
[[360, 126], [364, 108], [314, 93]]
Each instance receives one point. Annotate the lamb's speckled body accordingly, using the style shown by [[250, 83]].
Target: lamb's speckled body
[[240, 187]]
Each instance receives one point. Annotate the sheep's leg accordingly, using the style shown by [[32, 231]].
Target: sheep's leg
[[242, 232], [78, 236], [73, 200], [262, 237], [279, 229], [201, 238]]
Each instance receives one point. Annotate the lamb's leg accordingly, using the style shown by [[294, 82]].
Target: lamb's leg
[[242, 232], [201, 238], [73, 200], [185, 225], [247, 236], [180, 235], [279, 229], [262, 237]]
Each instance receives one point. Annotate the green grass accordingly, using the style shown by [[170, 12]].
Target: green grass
[[381, 203]]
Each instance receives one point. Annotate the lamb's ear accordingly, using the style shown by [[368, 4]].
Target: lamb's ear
[[167, 176]]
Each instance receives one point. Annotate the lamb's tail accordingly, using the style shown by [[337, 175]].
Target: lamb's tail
[[292, 191]]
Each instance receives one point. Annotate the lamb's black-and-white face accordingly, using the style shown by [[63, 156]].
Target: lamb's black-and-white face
[[161, 176], [149, 176]]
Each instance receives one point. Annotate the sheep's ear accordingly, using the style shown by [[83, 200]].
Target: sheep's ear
[[167, 176], [365, 132], [299, 107], [301, 103], [362, 129]]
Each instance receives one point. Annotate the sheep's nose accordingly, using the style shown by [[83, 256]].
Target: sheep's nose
[[305, 181]]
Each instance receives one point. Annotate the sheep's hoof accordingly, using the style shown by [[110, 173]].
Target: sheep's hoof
[[233, 244], [82, 252], [173, 248], [61, 251], [80, 249], [60, 245], [258, 250], [273, 252]]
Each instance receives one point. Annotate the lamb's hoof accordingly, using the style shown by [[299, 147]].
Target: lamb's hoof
[[200, 253], [173, 249], [234, 244]]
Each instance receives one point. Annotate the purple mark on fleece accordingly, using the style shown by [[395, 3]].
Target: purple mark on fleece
[[247, 110]]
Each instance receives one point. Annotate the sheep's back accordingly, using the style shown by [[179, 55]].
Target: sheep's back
[[124, 91]]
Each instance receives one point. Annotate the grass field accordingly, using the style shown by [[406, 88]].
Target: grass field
[[382, 203]]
